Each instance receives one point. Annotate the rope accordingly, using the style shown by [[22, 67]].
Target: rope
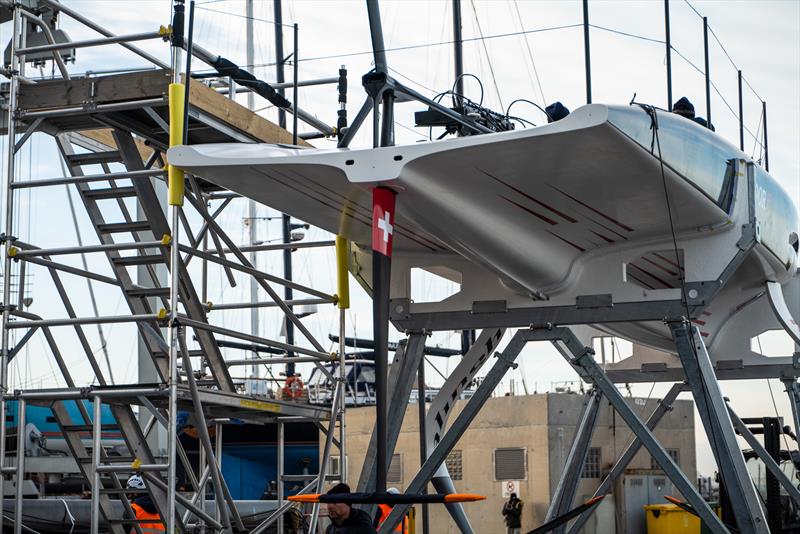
[[69, 514]]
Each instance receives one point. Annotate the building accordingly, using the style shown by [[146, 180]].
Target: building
[[521, 443]]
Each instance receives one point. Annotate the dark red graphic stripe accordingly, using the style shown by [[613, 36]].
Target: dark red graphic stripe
[[532, 199], [525, 208], [606, 239], [568, 242], [651, 275], [648, 260], [600, 213]]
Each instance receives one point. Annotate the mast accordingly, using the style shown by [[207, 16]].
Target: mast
[[458, 56], [252, 209], [280, 58]]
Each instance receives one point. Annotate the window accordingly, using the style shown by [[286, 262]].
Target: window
[[673, 453], [395, 474], [453, 464], [510, 464], [335, 466], [591, 469]]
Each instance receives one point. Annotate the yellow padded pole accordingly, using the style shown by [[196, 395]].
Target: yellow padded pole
[[176, 105], [342, 279]]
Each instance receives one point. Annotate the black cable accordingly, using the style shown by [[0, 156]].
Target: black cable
[[651, 111], [546, 114], [520, 119], [480, 84]]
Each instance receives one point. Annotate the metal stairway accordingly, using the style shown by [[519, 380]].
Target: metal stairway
[[150, 245]]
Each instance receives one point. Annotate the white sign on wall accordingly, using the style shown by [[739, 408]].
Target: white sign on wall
[[509, 487]]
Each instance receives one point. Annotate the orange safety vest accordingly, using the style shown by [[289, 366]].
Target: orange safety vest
[[385, 511], [156, 527]]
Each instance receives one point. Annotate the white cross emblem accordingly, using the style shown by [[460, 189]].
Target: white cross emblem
[[385, 226]]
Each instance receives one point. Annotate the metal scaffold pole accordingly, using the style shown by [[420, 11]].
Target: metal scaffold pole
[[176, 193], [8, 236]]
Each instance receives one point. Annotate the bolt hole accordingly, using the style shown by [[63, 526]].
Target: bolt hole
[[349, 162], [398, 158]]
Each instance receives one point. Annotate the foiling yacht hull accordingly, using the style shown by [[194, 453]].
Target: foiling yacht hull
[[589, 205]]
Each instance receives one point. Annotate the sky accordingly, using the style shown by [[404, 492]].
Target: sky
[[531, 50]]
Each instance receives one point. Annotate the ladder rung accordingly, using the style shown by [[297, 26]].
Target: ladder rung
[[148, 292], [139, 259], [110, 192], [133, 226], [91, 158], [119, 521], [119, 491], [87, 428]]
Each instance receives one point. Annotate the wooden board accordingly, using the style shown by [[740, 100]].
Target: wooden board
[[238, 116], [147, 85]]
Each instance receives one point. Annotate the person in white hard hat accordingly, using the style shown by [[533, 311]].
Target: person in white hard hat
[[143, 507]]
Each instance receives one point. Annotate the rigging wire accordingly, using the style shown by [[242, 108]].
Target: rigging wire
[[719, 42], [716, 90], [772, 395], [530, 52], [486, 51], [422, 45], [626, 34]]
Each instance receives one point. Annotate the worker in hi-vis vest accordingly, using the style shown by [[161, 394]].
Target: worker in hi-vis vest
[[383, 512], [144, 508]]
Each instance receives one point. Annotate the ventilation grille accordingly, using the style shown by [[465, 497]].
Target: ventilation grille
[[509, 464], [591, 469], [395, 474], [453, 464]]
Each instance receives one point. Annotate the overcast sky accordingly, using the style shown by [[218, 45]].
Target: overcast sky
[[531, 49]]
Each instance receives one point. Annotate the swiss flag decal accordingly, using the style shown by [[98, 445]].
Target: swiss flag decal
[[382, 220]]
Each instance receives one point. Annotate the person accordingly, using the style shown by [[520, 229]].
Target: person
[[344, 518], [512, 511], [556, 111], [143, 507], [685, 109], [383, 512]]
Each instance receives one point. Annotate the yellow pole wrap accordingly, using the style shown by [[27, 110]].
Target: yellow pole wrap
[[342, 274], [176, 104]]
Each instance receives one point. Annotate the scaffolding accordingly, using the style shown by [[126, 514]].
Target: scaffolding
[[130, 120]]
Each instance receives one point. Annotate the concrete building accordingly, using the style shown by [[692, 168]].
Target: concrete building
[[521, 443]]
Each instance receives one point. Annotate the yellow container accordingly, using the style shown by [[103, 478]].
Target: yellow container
[[670, 519]]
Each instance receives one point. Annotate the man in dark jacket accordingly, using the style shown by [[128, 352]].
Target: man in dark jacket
[[685, 109], [344, 518], [512, 511]]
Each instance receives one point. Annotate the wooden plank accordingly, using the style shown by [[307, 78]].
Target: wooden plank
[[127, 87], [238, 116], [51, 94], [105, 137]]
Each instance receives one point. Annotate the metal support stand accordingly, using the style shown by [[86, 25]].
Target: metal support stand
[[714, 415], [423, 449], [564, 495], [664, 406], [437, 456], [793, 390], [581, 359], [402, 373], [769, 461]]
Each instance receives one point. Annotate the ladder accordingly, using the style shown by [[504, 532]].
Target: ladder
[[147, 233]]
